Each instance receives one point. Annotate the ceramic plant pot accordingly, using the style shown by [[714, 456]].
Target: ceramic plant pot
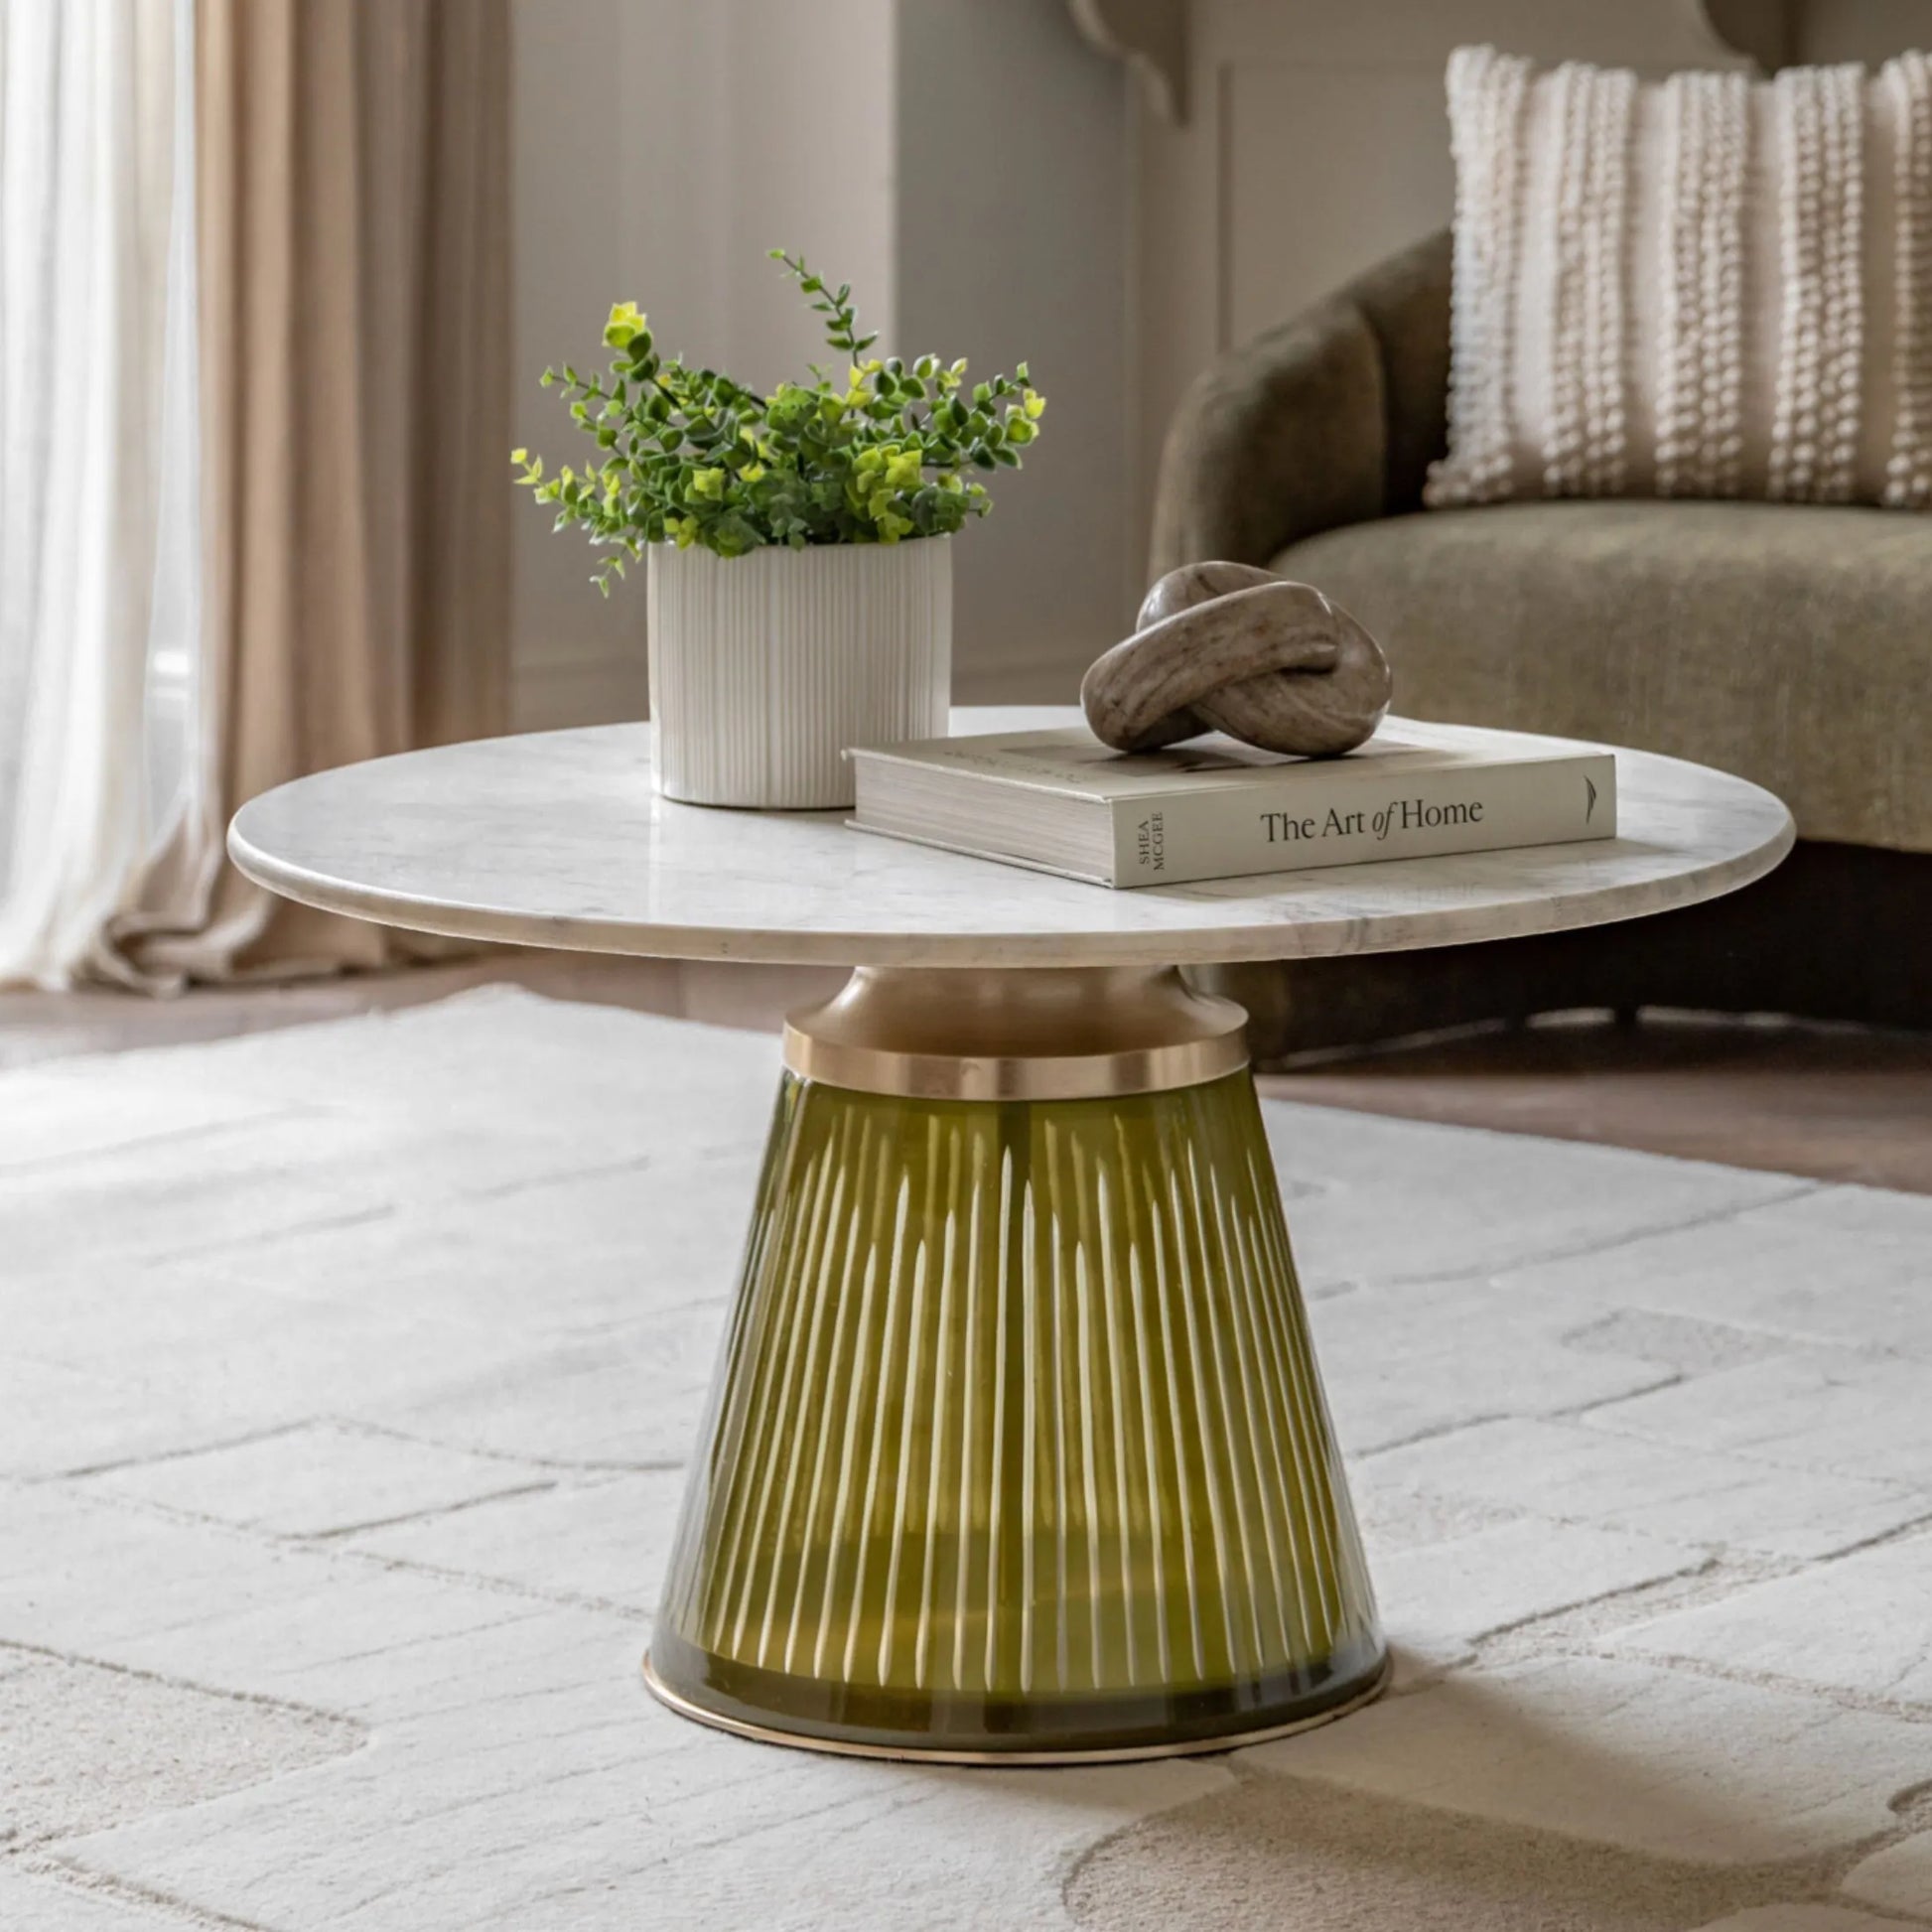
[[765, 668]]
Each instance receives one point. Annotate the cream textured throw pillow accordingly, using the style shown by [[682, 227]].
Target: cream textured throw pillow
[[1709, 287]]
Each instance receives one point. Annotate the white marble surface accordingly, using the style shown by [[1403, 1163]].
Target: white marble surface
[[557, 839]]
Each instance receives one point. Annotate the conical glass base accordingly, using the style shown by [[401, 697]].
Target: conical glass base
[[1018, 1446]]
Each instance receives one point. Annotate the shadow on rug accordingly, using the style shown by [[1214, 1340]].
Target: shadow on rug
[[1290, 1855]]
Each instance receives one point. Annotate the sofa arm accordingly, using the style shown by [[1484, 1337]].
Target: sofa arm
[[1331, 418]]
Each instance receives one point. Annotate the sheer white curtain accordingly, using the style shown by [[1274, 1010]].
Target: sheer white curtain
[[99, 521]]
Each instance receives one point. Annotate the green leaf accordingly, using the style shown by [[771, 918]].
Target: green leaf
[[690, 455]]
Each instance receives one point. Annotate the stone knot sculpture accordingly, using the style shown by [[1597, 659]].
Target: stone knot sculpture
[[1233, 648]]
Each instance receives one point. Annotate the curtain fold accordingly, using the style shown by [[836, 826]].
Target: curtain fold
[[97, 473], [352, 204]]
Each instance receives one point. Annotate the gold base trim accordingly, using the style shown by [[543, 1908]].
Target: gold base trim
[[1013, 1034], [1016, 1759]]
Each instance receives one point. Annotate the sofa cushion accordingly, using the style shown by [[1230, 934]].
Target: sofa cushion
[[1697, 287], [1789, 643]]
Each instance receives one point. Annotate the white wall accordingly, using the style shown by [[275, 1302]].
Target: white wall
[[959, 161], [566, 97], [803, 149], [1013, 238]]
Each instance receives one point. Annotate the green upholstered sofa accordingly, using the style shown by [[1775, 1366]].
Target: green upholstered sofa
[[1790, 643]]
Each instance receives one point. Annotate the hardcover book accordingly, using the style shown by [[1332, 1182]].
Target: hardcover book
[[1062, 801]]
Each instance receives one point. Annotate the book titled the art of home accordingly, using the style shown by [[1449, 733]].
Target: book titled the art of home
[[1060, 801]]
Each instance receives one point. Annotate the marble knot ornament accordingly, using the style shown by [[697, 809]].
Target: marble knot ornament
[[1233, 648]]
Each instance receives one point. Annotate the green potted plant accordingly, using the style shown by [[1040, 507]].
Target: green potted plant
[[797, 544]]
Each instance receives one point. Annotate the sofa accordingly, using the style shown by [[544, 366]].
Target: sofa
[[1790, 643]]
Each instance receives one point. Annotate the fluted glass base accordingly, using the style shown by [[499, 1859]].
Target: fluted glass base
[[1018, 1446]]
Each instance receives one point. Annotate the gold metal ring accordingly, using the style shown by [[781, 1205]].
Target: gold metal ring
[[1016, 1034]]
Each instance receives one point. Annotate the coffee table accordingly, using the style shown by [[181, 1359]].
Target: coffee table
[[1016, 1449]]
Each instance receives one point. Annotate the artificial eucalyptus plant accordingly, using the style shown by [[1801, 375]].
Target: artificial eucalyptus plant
[[692, 456]]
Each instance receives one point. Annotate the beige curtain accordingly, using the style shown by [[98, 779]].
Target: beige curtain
[[353, 207]]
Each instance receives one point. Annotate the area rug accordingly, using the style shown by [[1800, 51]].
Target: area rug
[[346, 1375]]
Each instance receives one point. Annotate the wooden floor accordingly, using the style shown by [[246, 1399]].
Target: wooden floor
[[1833, 1103]]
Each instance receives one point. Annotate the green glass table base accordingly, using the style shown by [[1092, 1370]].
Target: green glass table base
[[1017, 1450]]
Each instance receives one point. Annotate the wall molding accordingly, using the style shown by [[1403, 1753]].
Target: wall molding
[[1151, 36]]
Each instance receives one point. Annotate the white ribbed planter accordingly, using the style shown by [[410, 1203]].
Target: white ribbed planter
[[765, 668]]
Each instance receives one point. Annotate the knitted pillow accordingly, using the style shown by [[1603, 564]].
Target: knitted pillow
[[1703, 288]]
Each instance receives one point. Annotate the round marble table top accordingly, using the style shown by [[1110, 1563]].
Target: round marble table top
[[557, 839]]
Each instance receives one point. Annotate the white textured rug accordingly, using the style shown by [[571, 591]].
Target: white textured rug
[[344, 1376]]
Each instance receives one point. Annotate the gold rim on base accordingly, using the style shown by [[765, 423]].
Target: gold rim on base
[[941, 1754]]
